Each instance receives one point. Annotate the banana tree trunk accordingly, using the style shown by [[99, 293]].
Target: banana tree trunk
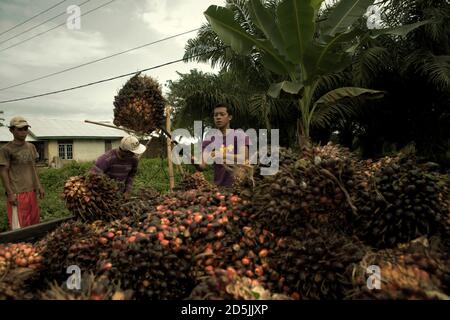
[[303, 123], [303, 139]]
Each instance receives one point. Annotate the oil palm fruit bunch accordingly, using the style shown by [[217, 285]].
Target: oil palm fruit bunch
[[246, 250], [277, 199], [135, 209], [311, 189], [20, 255], [316, 265], [73, 243], [93, 197], [401, 203], [148, 194], [243, 180], [410, 271], [149, 268], [14, 284], [148, 256], [139, 105], [92, 288], [253, 176], [226, 284], [195, 181]]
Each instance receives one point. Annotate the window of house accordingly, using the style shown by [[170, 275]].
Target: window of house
[[108, 145], [65, 149]]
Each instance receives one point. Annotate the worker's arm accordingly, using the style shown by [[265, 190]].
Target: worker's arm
[[101, 165], [4, 173], [242, 157], [6, 183]]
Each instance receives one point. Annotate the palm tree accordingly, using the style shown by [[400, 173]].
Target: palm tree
[[415, 70], [243, 80], [196, 93]]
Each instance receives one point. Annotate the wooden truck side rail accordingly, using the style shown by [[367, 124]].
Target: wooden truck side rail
[[32, 233]]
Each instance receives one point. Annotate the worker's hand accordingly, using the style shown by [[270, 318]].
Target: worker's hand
[[12, 199], [41, 193]]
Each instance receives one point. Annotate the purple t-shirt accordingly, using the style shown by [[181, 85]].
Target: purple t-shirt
[[234, 140], [122, 170]]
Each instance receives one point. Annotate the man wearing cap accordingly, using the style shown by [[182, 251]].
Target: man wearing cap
[[19, 176], [121, 164]]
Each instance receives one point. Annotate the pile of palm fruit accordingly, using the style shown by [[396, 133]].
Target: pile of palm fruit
[[309, 232]]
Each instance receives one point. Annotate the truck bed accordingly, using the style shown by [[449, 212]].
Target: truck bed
[[32, 233]]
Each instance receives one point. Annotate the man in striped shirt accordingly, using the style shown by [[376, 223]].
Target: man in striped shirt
[[121, 164]]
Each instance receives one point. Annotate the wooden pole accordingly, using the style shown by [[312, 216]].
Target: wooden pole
[[111, 126], [169, 149]]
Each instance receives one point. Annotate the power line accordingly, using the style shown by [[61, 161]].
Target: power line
[[109, 79], [60, 25], [98, 60], [36, 26], [35, 16]]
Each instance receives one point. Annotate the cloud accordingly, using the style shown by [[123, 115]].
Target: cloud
[[119, 26], [171, 17], [60, 48]]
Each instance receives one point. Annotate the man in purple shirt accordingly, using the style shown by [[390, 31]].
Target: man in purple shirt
[[234, 147], [121, 164]]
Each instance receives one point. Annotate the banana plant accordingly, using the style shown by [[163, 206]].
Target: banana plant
[[302, 50]]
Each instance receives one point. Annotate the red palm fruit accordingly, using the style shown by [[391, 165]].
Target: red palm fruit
[[107, 266], [263, 253], [259, 271], [231, 271], [165, 221], [234, 198], [151, 229], [209, 261], [209, 269]]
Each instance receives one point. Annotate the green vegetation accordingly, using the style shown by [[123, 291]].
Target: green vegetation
[[151, 173], [408, 59]]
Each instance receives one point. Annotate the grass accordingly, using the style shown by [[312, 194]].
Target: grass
[[151, 173]]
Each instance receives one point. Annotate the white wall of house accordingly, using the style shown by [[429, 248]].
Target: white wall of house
[[52, 149], [83, 150], [88, 150]]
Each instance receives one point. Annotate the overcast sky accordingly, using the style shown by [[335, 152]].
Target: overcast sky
[[121, 25]]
